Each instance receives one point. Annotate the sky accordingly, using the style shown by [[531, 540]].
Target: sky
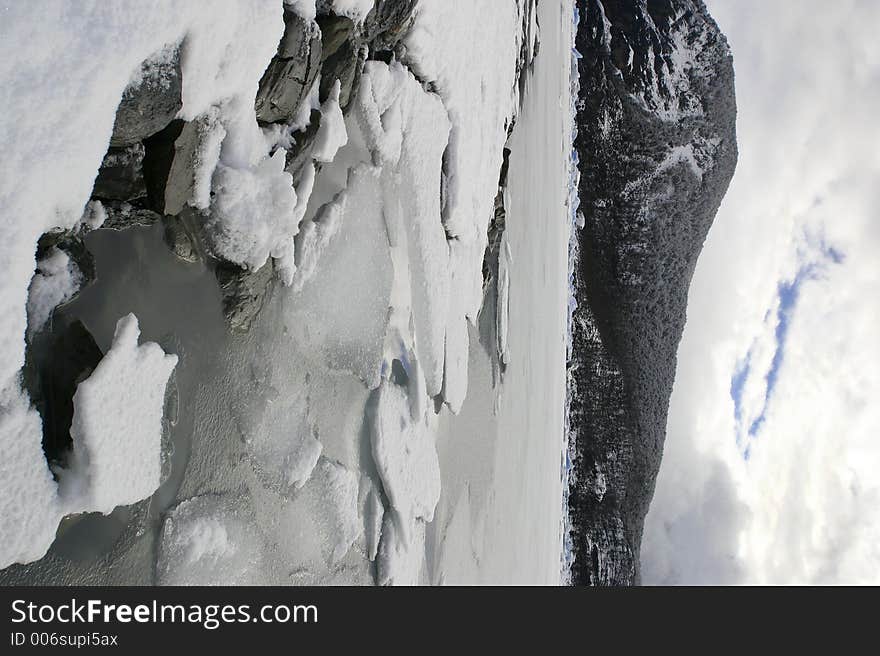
[[771, 470]]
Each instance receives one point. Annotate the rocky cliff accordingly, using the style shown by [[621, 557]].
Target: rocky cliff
[[657, 146]]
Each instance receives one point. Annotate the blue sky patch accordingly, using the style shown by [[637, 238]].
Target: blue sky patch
[[788, 295]]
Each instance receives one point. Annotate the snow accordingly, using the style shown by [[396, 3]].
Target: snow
[[455, 367], [671, 98], [158, 70], [57, 279], [208, 540], [400, 561], [408, 129], [253, 212], [404, 452], [682, 155], [500, 512], [378, 111], [374, 512], [323, 538], [117, 447], [305, 8], [94, 215], [117, 423], [356, 10], [315, 235], [331, 134], [29, 503], [338, 487], [503, 316], [63, 89], [426, 127], [698, 156], [478, 74]]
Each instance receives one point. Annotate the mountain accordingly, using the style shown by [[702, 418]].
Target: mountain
[[656, 142]]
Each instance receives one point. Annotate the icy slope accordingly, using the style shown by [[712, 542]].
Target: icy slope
[[499, 517], [302, 219]]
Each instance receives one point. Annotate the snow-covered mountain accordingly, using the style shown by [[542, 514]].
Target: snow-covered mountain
[[656, 143]]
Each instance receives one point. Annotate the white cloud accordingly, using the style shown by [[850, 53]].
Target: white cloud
[[805, 506]]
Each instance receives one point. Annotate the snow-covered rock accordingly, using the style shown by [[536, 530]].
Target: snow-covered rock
[[406, 457], [151, 100], [56, 281], [117, 425], [331, 133], [287, 81], [657, 148]]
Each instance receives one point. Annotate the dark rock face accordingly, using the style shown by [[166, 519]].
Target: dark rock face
[[121, 216], [158, 158], [657, 147], [121, 175], [292, 72], [341, 56], [243, 292], [56, 365], [388, 23], [150, 103]]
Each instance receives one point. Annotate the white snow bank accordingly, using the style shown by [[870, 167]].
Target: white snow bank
[[356, 10], [502, 317], [94, 215], [474, 73], [29, 504], [373, 512], [457, 347], [378, 110], [208, 540], [284, 253], [117, 439], [63, 69], [304, 8], [117, 424], [331, 134], [426, 127], [316, 235], [405, 455], [400, 562], [253, 214], [407, 129], [56, 281]]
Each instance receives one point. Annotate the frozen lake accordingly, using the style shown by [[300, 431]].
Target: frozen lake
[[499, 516]]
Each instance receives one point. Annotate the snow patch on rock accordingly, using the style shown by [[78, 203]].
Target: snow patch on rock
[[117, 425], [331, 134], [56, 281]]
